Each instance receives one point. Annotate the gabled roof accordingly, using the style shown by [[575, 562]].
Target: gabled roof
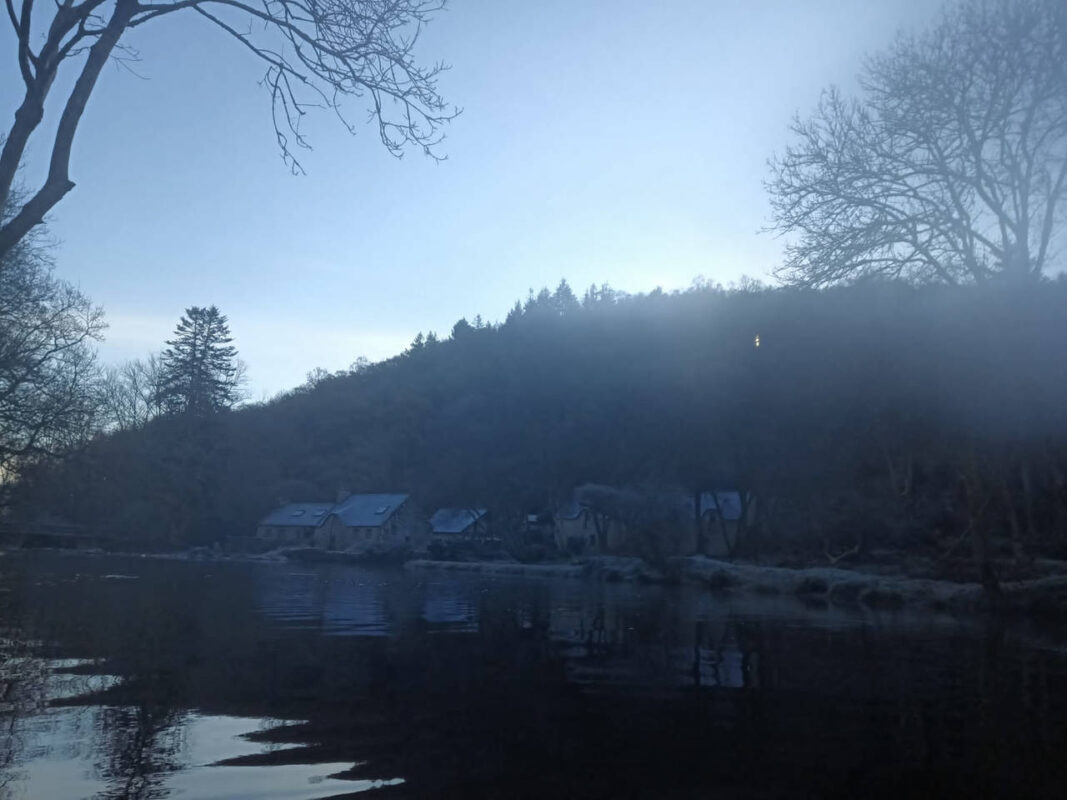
[[729, 504], [571, 510], [368, 510], [298, 515], [455, 520]]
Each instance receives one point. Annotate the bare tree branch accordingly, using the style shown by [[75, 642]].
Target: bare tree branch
[[48, 399], [949, 168], [318, 54]]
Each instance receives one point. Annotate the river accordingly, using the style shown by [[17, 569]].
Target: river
[[148, 678]]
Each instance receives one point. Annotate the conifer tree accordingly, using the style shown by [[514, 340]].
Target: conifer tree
[[200, 371]]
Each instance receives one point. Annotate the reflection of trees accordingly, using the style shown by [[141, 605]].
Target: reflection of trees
[[559, 688], [22, 681], [162, 635], [140, 745], [29, 682]]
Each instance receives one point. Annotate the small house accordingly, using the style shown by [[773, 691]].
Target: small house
[[575, 528], [372, 523], [455, 524], [292, 524]]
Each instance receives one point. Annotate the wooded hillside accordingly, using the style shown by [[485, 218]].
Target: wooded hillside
[[879, 414]]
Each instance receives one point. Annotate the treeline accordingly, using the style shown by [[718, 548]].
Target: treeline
[[879, 415]]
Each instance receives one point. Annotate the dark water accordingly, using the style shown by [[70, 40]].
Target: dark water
[[138, 678]]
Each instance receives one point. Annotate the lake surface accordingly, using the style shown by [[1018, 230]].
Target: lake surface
[[147, 678]]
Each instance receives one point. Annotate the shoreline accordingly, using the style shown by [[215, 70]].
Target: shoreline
[[1044, 597], [831, 586]]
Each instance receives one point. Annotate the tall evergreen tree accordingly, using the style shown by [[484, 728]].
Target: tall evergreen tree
[[200, 370]]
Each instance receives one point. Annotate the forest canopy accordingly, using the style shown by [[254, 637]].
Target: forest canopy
[[891, 412]]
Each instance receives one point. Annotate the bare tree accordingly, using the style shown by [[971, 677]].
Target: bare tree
[[130, 393], [48, 374], [951, 166], [316, 52]]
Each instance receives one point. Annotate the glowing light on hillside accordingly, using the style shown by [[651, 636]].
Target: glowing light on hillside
[[756, 340]]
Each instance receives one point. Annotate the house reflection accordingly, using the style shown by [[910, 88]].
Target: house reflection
[[462, 686]]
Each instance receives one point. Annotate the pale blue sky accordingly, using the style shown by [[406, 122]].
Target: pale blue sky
[[621, 142]]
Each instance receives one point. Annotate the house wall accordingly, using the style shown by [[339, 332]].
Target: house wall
[[335, 535], [478, 531], [412, 529], [328, 535], [403, 529], [286, 534]]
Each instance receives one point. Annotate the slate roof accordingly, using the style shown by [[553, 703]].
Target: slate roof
[[455, 520], [571, 510], [368, 510], [298, 515]]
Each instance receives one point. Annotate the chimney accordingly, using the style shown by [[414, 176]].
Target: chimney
[[343, 494]]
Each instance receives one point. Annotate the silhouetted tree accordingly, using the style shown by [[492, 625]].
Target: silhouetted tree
[[872, 417], [317, 53], [563, 299], [461, 329], [951, 166], [199, 372], [48, 373], [131, 393]]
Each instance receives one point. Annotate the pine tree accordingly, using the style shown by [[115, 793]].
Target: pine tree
[[563, 299], [200, 372], [417, 343]]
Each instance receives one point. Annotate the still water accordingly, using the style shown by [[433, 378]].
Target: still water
[[142, 678]]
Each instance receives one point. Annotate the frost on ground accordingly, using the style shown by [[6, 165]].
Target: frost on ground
[[1046, 595], [834, 586]]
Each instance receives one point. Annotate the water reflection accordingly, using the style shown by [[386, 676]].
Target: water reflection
[[228, 680]]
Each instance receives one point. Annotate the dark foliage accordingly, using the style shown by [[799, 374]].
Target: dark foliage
[[199, 372], [48, 402], [878, 415]]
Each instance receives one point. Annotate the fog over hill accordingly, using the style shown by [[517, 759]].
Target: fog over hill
[[880, 414]]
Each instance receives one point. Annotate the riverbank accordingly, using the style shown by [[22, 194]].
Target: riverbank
[[1041, 596], [1045, 596], [600, 568]]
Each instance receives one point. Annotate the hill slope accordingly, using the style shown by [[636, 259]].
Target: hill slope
[[887, 410]]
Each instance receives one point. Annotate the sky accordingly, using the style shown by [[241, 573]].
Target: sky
[[620, 142]]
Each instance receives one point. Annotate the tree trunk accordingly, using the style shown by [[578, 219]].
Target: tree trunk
[[58, 182]]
